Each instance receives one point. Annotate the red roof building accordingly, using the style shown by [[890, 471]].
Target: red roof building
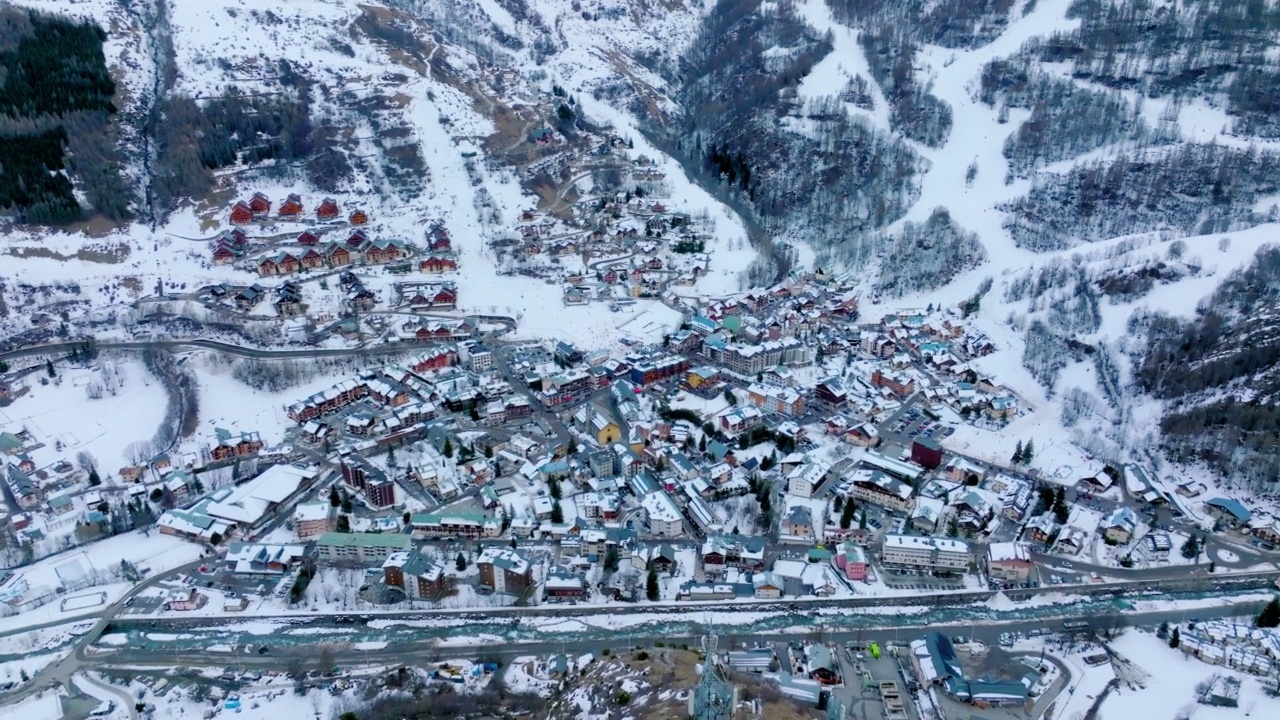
[[291, 207], [241, 214], [328, 210], [308, 238], [259, 204], [357, 217]]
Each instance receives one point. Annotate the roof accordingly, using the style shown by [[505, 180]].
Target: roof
[[1008, 552], [1234, 507], [365, 540], [659, 506], [249, 502], [932, 543]]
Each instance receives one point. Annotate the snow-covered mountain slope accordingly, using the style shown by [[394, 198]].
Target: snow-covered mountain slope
[[1087, 157]]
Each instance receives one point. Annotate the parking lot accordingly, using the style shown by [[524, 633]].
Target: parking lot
[[870, 681]]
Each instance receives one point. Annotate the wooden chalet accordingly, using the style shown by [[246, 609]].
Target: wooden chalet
[[308, 238], [259, 205], [311, 259], [291, 207], [358, 217], [357, 240], [436, 263], [223, 254], [328, 210], [337, 256], [383, 251], [241, 214]]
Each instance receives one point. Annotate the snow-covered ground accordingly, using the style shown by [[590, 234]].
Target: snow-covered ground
[[59, 413], [1168, 680]]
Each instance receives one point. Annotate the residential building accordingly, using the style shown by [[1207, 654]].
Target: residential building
[[368, 549], [1009, 561], [939, 555], [805, 480], [877, 488], [504, 571], [665, 519], [1120, 526], [420, 577], [798, 522], [850, 560], [455, 523], [313, 519]]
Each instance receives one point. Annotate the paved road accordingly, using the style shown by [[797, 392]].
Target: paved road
[[121, 696], [60, 672], [282, 658]]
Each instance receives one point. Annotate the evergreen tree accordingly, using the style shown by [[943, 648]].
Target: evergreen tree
[[348, 507], [1029, 451], [391, 457], [334, 498], [557, 513], [838, 502], [1017, 454], [1191, 548], [461, 562], [1270, 615], [651, 590], [553, 487], [48, 367], [862, 519], [94, 480], [448, 448], [611, 559], [846, 516], [702, 444], [1162, 632], [1175, 639]]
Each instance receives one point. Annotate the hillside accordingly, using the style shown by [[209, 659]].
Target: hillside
[[1082, 160]]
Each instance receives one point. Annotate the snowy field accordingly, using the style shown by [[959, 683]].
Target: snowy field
[[61, 413], [1168, 688]]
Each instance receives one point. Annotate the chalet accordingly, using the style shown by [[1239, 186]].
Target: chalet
[[248, 297], [241, 214], [337, 256], [223, 254], [357, 239], [1120, 526], [289, 263], [291, 207], [328, 210], [1041, 528], [289, 300], [564, 587], [311, 259], [358, 217], [438, 263], [268, 266], [361, 299], [438, 238], [259, 205], [383, 251], [308, 238], [234, 446]]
